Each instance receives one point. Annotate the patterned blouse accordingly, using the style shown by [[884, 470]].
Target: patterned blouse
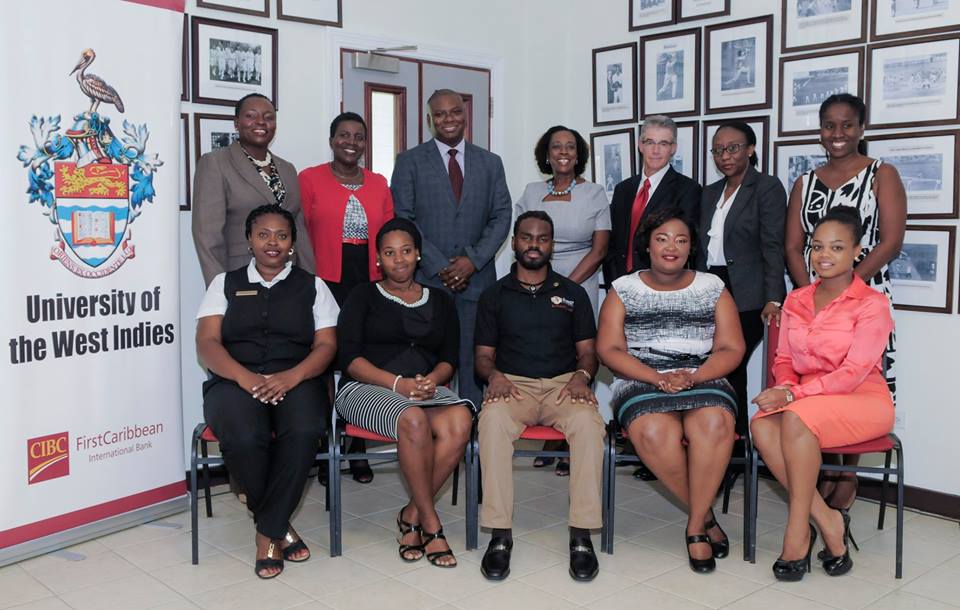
[[268, 171], [354, 217]]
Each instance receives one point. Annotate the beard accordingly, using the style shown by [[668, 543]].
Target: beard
[[532, 265]]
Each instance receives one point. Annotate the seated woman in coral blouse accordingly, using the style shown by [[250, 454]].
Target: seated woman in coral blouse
[[830, 390]]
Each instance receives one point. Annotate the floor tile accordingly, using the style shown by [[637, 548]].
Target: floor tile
[[164, 552], [556, 580], [642, 597], [901, 600], [47, 603], [354, 533], [921, 550], [655, 505], [382, 557], [847, 592], [525, 559], [940, 583], [19, 587], [637, 562], [64, 576], [231, 535], [768, 598], [324, 575], [132, 593], [251, 595], [213, 572], [714, 590], [514, 594], [142, 533], [448, 585], [388, 593]]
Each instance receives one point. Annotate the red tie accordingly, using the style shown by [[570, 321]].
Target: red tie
[[636, 213], [456, 175]]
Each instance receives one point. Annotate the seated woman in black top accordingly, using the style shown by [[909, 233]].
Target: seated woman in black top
[[266, 331], [398, 345]]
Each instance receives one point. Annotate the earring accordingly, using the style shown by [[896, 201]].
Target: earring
[[291, 252], [378, 263], [418, 258], [250, 249]]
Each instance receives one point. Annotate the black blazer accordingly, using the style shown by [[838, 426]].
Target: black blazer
[[674, 189], [752, 238]]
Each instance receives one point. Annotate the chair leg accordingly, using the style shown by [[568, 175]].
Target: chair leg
[[747, 473], [605, 497], [473, 491], [206, 479], [333, 484], [899, 571], [728, 482], [883, 490], [754, 491], [194, 521], [456, 484]]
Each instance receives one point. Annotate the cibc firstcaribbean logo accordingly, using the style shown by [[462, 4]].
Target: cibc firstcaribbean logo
[[48, 457]]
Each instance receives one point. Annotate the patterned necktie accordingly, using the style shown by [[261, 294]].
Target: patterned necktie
[[456, 174], [636, 213]]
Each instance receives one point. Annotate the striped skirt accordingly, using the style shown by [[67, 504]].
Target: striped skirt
[[378, 409], [632, 398]]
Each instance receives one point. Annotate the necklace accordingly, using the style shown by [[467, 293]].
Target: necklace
[[266, 161], [355, 175], [562, 193], [532, 287]]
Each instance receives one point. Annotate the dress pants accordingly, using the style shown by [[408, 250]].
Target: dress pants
[[268, 448], [501, 423], [467, 386]]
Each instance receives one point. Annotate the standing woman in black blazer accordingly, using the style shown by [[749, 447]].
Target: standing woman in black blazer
[[742, 220]]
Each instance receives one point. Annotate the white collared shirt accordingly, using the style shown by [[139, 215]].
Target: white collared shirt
[[325, 310], [461, 147], [655, 180], [715, 256]]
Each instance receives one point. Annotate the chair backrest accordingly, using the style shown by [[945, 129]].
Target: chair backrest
[[771, 338]]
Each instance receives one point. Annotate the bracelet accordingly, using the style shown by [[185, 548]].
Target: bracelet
[[789, 394], [586, 374], [396, 381]]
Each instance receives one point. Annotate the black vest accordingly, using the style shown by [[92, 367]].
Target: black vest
[[268, 329]]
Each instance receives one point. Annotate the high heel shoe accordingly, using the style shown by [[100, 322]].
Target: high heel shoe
[[408, 528], [824, 553], [838, 565], [722, 548], [792, 570], [700, 566]]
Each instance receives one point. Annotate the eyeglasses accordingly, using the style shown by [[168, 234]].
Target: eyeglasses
[[730, 149], [652, 143]]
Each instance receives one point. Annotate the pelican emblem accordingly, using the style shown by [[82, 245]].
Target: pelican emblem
[[93, 86]]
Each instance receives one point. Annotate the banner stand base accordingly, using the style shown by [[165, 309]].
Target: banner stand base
[[96, 529]]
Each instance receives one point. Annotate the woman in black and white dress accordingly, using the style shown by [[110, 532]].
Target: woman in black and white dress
[[398, 344], [671, 335]]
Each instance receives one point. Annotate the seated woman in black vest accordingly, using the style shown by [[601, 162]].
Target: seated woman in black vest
[[398, 345], [266, 331]]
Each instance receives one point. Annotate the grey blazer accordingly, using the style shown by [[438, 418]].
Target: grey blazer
[[476, 227], [752, 238], [226, 187]]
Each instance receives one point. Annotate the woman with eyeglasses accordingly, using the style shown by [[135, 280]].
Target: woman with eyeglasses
[[742, 219]]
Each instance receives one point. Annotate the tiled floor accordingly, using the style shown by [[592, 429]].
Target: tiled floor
[[149, 566]]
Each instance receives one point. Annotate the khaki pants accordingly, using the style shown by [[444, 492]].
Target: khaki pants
[[501, 423]]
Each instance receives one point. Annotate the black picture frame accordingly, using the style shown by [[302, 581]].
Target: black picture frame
[[199, 88]]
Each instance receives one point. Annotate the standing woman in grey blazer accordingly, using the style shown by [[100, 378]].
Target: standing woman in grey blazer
[[742, 220], [232, 181]]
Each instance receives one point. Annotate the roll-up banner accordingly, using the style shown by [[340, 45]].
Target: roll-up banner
[[91, 423]]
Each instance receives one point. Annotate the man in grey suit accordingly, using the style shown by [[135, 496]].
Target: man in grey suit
[[457, 195]]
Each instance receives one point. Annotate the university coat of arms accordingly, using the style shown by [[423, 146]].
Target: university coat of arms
[[89, 183]]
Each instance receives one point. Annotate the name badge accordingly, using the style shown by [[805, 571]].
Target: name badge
[[246, 293], [558, 302]]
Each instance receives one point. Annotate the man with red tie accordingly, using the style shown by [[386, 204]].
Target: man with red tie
[[657, 186]]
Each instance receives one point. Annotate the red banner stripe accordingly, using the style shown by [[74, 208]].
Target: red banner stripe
[[84, 516], [170, 5]]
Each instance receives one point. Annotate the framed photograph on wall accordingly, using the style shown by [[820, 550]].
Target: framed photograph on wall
[[921, 277], [686, 160], [260, 8], [738, 65], [185, 60], [184, 162], [810, 24], [760, 126], [614, 157], [231, 60], [807, 80], [793, 159], [317, 12], [913, 83], [670, 73], [615, 84], [212, 131], [688, 10], [900, 18], [927, 164], [651, 14]]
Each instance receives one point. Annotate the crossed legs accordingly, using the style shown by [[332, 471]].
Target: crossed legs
[[430, 443], [792, 453], [692, 474]]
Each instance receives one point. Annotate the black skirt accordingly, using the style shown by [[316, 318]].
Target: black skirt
[[353, 271]]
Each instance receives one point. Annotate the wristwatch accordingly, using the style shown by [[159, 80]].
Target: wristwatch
[[777, 303], [586, 374], [790, 397]]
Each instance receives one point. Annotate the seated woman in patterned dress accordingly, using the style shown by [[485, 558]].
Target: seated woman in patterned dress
[[671, 335], [830, 390], [398, 344]]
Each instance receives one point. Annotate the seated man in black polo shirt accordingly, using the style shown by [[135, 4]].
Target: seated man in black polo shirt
[[535, 349]]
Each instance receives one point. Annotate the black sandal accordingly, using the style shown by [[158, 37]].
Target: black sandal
[[426, 538], [408, 528], [293, 547], [268, 563]]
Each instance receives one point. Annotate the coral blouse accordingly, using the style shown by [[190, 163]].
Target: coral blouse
[[836, 349], [324, 202]]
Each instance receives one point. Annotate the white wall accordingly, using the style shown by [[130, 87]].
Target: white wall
[[545, 52]]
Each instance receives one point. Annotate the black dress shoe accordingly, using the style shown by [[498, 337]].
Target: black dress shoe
[[643, 473], [722, 548], [792, 570], [700, 566], [583, 560], [496, 560]]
